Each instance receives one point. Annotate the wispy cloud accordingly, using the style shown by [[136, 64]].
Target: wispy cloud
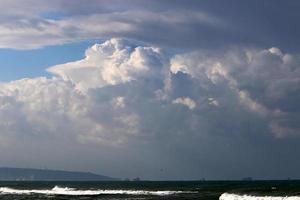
[[23, 28]]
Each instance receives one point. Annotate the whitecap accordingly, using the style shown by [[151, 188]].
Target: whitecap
[[74, 192], [228, 196]]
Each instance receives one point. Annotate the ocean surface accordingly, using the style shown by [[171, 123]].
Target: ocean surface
[[144, 190]]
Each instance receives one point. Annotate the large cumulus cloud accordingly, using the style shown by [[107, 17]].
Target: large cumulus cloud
[[129, 103], [263, 81], [111, 63]]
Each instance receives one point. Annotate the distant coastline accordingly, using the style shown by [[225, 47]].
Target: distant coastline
[[31, 174]]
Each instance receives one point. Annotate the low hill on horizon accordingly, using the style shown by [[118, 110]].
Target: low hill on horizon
[[31, 174]]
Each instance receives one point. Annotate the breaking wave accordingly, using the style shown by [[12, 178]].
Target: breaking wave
[[227, 196], [74, 192]]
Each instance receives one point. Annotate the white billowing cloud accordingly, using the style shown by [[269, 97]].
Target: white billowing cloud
[[109, 96], [111, 63], [186, 101], [54, 108], [260, 79], [40, 105], [198, 66], [138, 101], [68, 105]]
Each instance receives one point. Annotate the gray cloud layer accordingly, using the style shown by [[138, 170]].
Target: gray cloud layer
[[189, 24], [214, 114]]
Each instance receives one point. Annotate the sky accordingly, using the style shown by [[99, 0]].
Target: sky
[[161, 89]]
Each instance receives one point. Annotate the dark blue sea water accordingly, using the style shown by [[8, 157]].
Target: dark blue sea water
[[202, 190]]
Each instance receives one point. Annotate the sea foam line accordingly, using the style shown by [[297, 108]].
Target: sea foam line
[[228, 196], [71, 191]]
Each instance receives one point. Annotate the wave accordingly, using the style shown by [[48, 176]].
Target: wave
[[228, 196], [73, 192]]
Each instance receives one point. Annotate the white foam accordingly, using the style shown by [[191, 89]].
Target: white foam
[[73, 192], [227, 196]]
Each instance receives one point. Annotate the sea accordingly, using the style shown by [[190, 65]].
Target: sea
[[146, 190]]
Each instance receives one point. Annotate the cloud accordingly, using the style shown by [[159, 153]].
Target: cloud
[[111, 63], [259, 79], [186, 101], [123, 105], [202, 24], [47, 107], [213, 102], [118, 102], [54, 108], [62, 22]]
